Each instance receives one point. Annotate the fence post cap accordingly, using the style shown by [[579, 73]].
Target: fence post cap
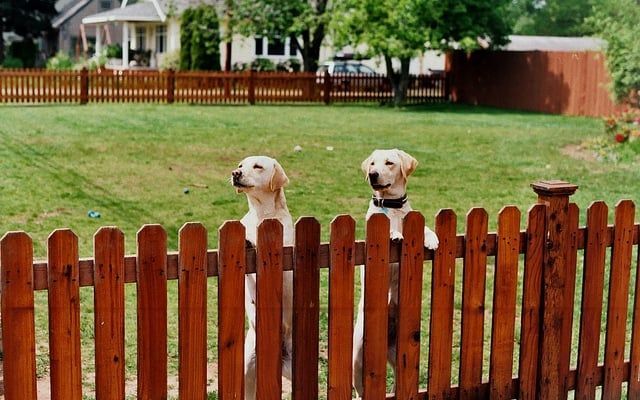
[[554, 188]]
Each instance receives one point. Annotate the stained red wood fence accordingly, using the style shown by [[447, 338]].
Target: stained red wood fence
[[203, 87], [543, 256]]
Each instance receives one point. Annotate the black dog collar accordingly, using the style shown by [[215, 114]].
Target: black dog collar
[[389, 203]]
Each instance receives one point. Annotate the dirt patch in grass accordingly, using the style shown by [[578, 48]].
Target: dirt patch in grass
[[579, 153]]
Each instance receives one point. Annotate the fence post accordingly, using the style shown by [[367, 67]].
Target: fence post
[[555, 195], [252, 87], [84, 86], [327, 87], [171, 86]]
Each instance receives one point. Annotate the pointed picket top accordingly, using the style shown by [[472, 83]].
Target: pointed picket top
[[535, 208], [343, 221], [509, 211], [308, 222], [444, 215], [413, 220], [269, 234], [62, 234], [377, 219], [153, 231], [192, 228], [231, 227], [477, 214], [598, 207], [15, 237], [270, 224], [625, 204], [106, 232]]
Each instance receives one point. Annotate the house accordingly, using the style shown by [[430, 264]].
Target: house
[[68, 24], [153, 27]]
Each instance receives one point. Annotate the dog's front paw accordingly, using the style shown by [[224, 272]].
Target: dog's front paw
[[431, 241], [396, 236]]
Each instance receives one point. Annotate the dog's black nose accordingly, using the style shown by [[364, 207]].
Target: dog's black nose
[[373, 176], [236, 173]]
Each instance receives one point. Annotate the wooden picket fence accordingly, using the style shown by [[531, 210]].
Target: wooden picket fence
[[117, 86], [549, 245]]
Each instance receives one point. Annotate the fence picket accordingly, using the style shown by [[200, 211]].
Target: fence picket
[[64, 316], [618, 300], [341, 279], [306, 308], [531, 301], [473, 304], [18, 326], [376, 312], [269, 302], [634, 379], [573, 220], [442, 291], [192, 306], [409, 306], [108, 300], [591, 308], [232, 265], [504, 303], [152, 312]]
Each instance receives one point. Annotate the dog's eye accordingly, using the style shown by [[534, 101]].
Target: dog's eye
[[258, 166], [388, 163], [240, 166], [372, 163]]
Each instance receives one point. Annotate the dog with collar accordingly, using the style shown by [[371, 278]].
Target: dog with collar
[[262, 180], [387, 171]]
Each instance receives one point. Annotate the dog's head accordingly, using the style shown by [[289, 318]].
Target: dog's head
[[388, 170], [260, 174]]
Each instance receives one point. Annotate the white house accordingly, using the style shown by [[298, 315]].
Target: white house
[[154, 25]]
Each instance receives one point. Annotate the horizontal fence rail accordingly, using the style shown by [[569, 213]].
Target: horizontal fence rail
[[204, 87], [519, 254]]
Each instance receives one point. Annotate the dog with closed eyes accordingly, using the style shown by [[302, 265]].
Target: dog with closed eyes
[[387, 172], [262, 180]]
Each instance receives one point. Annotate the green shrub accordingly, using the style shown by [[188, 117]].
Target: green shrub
[[290, 65], [12, 62], [61, 61], [263, 64], [113, 51], [26, 51], [170, 60], [200, 39]]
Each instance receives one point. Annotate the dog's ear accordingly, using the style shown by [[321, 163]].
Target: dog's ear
[[408, 164], [365, 166], [278, 179]]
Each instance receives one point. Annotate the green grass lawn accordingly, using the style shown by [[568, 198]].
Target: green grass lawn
[[132, 162]]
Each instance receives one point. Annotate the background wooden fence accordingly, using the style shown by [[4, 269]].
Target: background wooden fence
[[549, 245], [42, 86], [571, 83]]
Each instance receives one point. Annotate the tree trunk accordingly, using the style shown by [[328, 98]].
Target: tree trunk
[[1, 39], [399, 79], [310, 48]]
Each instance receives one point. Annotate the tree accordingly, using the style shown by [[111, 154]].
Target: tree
[[200, 39], [305, 21], [552, 17], [25, 17], [616, 21], [403, 29]]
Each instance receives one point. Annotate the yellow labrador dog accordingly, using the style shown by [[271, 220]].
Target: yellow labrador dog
[[262, 180], [387, 171]]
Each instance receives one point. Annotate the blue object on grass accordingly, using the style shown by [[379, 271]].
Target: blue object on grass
[[93, 214]]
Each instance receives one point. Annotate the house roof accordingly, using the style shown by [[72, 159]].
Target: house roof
[[554, 43], [145, 11], [68, 12]]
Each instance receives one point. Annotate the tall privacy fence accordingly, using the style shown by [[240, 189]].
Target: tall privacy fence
[[550, 246], [116, 86]]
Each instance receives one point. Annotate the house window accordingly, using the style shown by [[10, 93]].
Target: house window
[[259, 48], [275, 47], [161, 38], [105, 4], [141, 37]]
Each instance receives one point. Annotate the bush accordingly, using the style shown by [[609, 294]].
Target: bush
[[290, 65], [61, 61], [263, 64], [113, 51], [24, 50], [200, 39], [617, 22], [170, 60], [12, 62]]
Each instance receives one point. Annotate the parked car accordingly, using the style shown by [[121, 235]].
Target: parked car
[[353, 76]]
